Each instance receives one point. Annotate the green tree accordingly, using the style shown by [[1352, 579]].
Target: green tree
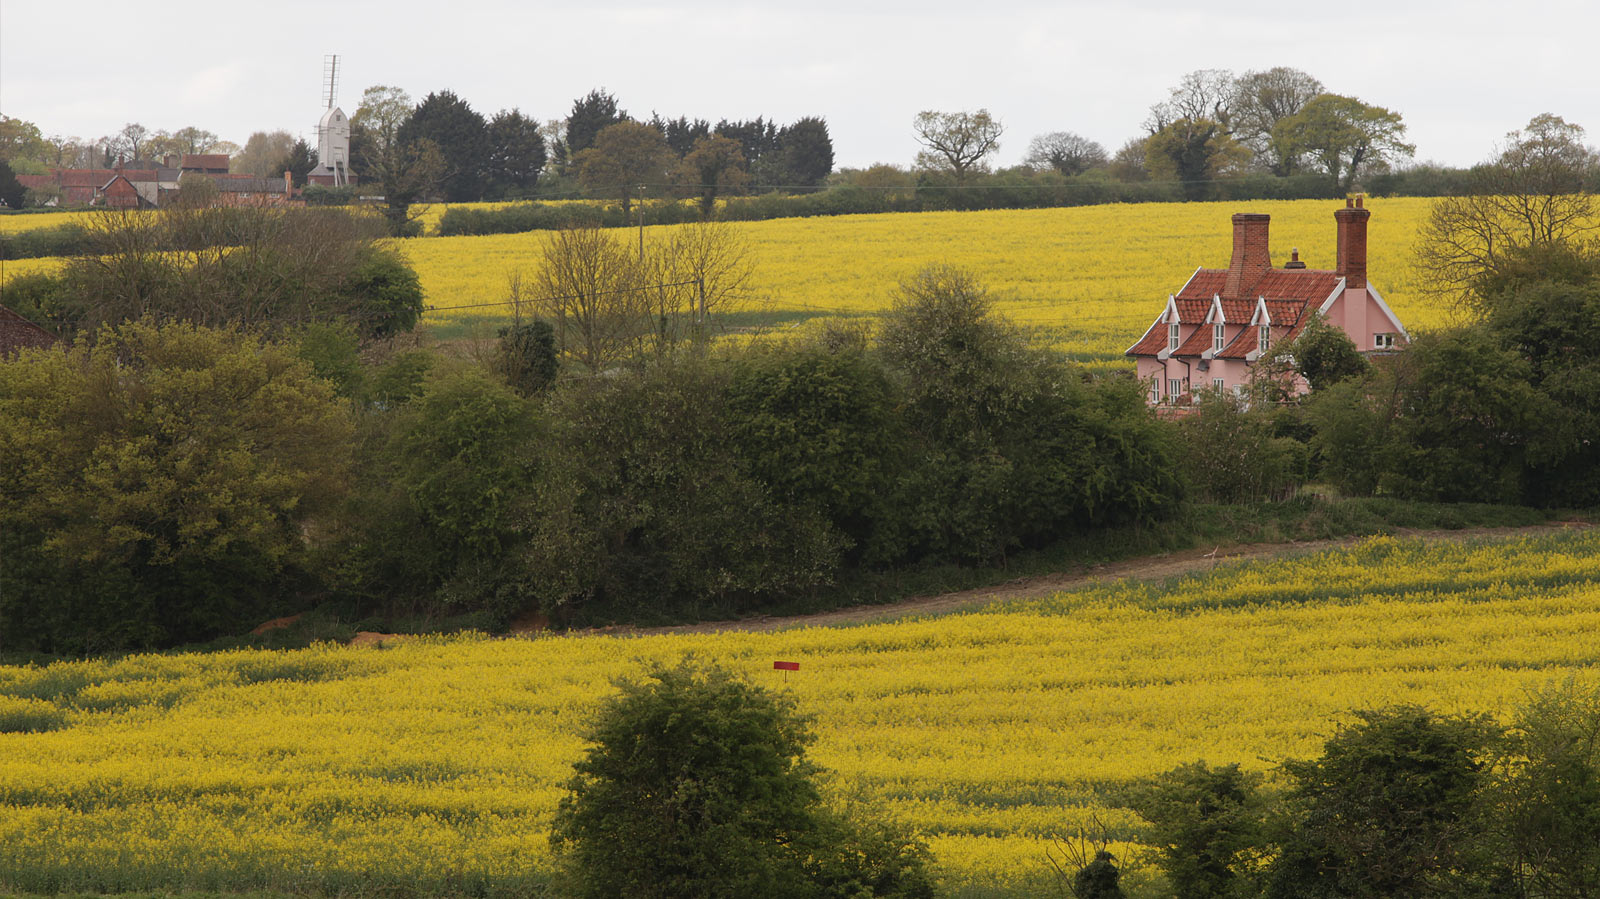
[[713, 166], [591, 114], [527, 356], [516, 154], [1234, 455], [1207, 826], [807, 151], [12, 193], [1391, 808], [1551, 794], [1321, 354], [1195, 152], [1260, 100], [21, 140], [164, 483], [298, 162], [1012, 443], [263, 154], [696, 785], [646, 509], [626, 157], [817, 427], [462, 137], [405, 170], [1344, 136], [956, 142]]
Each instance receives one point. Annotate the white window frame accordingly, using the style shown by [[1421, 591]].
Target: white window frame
[[1219, 336], [1384, 341], [1174, 389], [1172, 336], [1264, 338], [1155, 388], [1219, 384]]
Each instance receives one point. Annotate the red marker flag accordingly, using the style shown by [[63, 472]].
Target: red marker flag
[[786, 666]]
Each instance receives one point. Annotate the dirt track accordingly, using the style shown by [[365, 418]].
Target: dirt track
[[1143, 568]]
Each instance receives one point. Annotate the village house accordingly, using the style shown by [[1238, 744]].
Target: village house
[[145, 185], [1216, 327]]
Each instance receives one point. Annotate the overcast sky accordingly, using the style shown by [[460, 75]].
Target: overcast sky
[[1461, 73]]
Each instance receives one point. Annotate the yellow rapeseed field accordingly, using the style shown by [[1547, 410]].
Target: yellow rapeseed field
[[1088, 279], [439, 762]]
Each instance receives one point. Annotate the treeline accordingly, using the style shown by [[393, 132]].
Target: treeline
[[1402, 802], [890, 189], [443, 149], [179, 482]]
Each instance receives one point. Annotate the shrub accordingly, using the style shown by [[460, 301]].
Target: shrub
[[1206, 826], [1389, 809], [1231, 455], [696, 785], [644, 505], [162, 485]]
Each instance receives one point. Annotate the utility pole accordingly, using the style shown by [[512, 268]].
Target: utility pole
[[641, 223]]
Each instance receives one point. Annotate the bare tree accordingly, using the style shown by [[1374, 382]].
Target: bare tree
[[1263, 99], [956, 142], [1532, 196], [702, 270], [589, 289], [1065, 152], [129, 142], [1202, 94]]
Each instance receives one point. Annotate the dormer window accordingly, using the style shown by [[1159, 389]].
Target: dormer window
[[1172, 337], [1264, 339], [1217, 337]]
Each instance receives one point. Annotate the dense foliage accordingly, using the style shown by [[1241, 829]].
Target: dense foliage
[[161, 486], [696, 785]]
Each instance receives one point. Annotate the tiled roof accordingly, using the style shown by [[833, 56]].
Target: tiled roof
[[1276, 284], [98, 177], [1153, 341], [1195, 343], [17, 332], [205, 161], [1289, 293]]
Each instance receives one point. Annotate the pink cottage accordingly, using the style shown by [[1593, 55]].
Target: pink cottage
[[1216, 327]]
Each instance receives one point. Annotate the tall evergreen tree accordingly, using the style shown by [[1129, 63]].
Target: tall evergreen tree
[[591, 114], [516, 154], [807, 151], [11, 190], [461, 135], [682, 132]]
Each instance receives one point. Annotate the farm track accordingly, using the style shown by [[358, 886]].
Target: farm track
[[1142, 568]]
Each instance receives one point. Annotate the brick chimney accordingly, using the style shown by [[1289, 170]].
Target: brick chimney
[[1352, 225], [1250, 257]]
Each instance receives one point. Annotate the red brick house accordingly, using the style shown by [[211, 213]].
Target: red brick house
[[18, 333], [1215, 328], [120, 193]]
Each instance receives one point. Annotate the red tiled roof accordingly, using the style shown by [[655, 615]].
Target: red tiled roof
[[1289, 293], [17, 333], [1153, 341], [1276, 284], [98, 177], [204, 161], [1195, 343]]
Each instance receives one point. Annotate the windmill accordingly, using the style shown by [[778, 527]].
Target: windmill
[[333, 132]]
